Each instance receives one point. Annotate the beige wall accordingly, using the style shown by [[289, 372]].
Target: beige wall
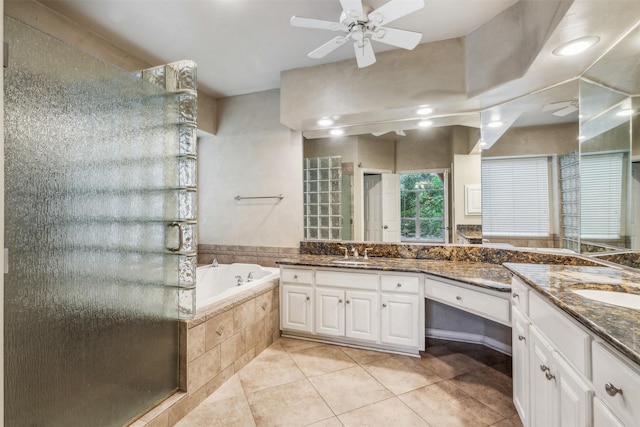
[[466, 170], [251, 155], [433, 151], [558, 139]]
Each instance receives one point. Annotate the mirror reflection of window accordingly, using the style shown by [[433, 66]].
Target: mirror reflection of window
[[422, 200]]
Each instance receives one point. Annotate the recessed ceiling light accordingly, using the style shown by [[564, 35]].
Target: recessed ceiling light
[[336, 132], [576, 46], [425, 123], [494, 124], [423, 111], [325, 121]]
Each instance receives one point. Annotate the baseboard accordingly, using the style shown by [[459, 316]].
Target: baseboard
[[468, 337]]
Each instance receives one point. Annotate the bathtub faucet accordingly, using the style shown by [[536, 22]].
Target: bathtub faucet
[[250, 276], [214, 263], [240, 281]]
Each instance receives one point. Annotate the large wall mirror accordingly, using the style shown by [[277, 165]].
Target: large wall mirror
[[389, 186]]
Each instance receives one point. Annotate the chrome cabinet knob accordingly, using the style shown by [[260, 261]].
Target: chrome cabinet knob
[[549, 376], [384, 305], [340, 300], [295, 276], [348, 302], [521, 337], [611, 389], [385, 227], [515, 295], [308, 298], [544, 368], [399, 285], [458, 297]]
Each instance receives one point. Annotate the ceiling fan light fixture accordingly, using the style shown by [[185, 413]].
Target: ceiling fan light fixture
[[577, 46], [324, 121], [425, 123], [336, 132]]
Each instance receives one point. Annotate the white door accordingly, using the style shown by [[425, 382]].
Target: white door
[[373, 208], [329, 312], [400, 319], [520, 346], [362, 315], [296, 308], [390, 207]]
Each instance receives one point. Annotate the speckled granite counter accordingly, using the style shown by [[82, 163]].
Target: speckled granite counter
[[618, 326], [490, 276]]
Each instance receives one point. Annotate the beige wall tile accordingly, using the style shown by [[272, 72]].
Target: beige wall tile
[[184, 406], [244, 315], [203, 369], [232, 349], [195, 342], [161, 420], [275, 301], [246, 358], [219, 379], [254, 334], [218, 329], [264, 304]]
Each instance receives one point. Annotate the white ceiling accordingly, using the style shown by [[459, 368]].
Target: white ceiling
[[241, 46]]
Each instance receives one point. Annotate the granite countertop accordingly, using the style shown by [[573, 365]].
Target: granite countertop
[[485, 275], [618, 326]]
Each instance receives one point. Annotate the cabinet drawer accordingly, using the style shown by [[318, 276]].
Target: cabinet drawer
[[572, 341], [405, 284], [485, 305], [347, 279], [296, 275], [520, 295], [609, 369]]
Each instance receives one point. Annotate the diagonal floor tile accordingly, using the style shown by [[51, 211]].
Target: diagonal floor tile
[[292, 344], [362, 356], [296, 403], [268, 372], [444, 405], [231, 388], [274, 349], [227, 412], [490, 387], [349, 389], [401, 374], [321, 360], [513, 421], [390, 412], [451, 365], [329, 422]]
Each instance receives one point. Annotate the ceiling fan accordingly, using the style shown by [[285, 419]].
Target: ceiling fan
[[362, 24], [563, 108]]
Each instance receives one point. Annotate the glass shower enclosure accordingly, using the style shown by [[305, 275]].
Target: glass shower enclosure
[[100, 226]]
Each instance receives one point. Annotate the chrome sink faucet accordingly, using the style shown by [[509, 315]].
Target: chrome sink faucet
[[346, 251], [355, 253]]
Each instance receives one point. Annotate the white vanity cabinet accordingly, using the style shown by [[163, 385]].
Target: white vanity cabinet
[[563, 375], [357, 307]]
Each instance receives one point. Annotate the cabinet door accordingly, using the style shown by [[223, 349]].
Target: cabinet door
[[296, 308], [329, 309], [602, 416], [362, 315], [520, 347], [574, 395], [544, 407], [400, 321]]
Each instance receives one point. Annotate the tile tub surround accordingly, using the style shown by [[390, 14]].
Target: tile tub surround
[[461, 253], [227, 254], [214, 345], [618, 326], [297, 382]]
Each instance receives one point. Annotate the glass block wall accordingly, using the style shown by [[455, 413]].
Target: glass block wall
[[570, 200], [322, 196], [100, 227]]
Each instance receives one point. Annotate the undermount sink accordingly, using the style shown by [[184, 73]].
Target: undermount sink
[[622, 299], [349, 262]]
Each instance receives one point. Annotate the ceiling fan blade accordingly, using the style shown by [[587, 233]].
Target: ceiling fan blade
[[565, 111], [319, 24], [393, 10], [364, 53], [327, 48], [399, 38], [352, 6]]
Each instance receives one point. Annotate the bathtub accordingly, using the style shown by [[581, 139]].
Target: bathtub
[[216, 283]]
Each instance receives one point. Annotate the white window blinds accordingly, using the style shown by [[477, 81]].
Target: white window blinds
[[600, 195], [515, 197]]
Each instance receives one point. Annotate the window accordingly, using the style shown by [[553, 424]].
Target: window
[[422, 207], [601, 195], [515, 197]]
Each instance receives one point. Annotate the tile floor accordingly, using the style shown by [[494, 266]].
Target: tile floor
[[303, 383]]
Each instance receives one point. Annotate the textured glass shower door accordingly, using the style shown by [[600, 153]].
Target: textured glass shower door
[[100, 210]]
